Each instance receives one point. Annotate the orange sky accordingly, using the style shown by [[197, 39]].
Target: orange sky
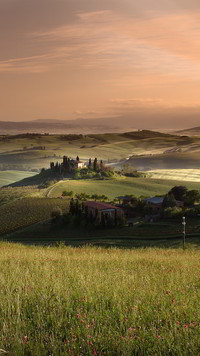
[[67, 59]]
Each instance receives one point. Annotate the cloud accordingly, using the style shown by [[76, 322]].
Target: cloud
[[162, 45], [137, 102]]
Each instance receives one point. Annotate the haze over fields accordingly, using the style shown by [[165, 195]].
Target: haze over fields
[[129, 64]]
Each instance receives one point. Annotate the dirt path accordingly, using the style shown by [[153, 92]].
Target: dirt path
[[48, 193]]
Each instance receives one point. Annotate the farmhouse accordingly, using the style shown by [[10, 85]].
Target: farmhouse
[[103, 211], [67, 165]]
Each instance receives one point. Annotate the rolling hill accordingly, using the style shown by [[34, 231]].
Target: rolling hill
[[194, 131], [9, 177]]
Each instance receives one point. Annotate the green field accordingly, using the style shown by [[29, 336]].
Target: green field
[[122, 186], [9, 177], [92, 301]]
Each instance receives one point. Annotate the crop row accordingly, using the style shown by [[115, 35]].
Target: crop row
[[22, 213]]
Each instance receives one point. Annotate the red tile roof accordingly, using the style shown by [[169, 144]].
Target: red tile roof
[[99, 205]]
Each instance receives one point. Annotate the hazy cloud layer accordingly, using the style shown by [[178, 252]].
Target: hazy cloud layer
[[101, 55]]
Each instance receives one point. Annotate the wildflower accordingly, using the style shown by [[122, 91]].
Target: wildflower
[[26, 339], [94, 352]]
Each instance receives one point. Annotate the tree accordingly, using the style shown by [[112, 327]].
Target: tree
[[174, 212], [90, 164], [66, 193], [72, 207], [101, 165], [169, 201], [178, 192], [95, 164], [191, 197], [77, 159]]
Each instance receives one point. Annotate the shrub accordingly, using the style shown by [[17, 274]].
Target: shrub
[[190, 212], [98, 175], [169, 201], [66, 193], [173, 213], [77, 175], [107, 173], [191, 197]]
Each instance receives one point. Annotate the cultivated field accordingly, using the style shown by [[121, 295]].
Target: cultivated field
[[188, 175], [20, 213], [91, 301], [122, 186]]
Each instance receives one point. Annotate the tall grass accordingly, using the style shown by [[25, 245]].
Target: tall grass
[[93, 301]]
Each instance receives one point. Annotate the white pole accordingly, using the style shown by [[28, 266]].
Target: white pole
[[183, 223]]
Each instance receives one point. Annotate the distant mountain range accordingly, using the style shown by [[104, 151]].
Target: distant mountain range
[[85, 126], [101, 125]]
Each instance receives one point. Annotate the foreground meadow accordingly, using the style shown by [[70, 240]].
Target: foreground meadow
[[94, 301]]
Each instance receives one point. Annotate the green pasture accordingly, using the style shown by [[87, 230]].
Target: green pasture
[[94, 301], [9, 177], [122, 186]]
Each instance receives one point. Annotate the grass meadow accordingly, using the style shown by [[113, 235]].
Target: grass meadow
[[122, 186], [94, 301]]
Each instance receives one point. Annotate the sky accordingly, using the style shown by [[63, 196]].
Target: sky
[[68, 59]]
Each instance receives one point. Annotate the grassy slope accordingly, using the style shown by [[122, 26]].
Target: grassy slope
[[88, 301], [123, 186], [9, 177]]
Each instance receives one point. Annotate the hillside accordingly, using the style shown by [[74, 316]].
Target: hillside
[[9, 177], [194, 131], [122, 186], [53, 126], [35, 151]]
